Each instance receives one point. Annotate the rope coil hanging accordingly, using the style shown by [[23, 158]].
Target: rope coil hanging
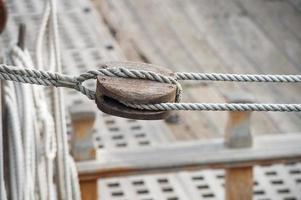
[[45, 78]]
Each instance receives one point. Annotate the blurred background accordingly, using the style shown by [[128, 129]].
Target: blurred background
[[234, 36]]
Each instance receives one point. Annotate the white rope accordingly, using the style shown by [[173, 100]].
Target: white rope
[[15, 143], [74, 180], [238, 77], [59, 110], [66, 190], [45, 49], [31, 176], [46, 129], [59, 80], [3, 193], [40, 37], [218, 107], [26, 111], [39, 164]]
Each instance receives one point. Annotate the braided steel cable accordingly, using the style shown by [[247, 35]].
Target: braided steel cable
[[45, 78]]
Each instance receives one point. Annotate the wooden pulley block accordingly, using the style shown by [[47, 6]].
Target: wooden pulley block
[[3, 16], [111, 90]]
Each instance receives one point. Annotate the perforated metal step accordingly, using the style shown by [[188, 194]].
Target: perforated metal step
[[277, 182], [86, 42]]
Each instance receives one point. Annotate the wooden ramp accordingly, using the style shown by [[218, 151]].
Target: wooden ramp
[[210, 36]]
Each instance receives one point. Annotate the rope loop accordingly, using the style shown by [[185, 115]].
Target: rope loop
[[87, 92]]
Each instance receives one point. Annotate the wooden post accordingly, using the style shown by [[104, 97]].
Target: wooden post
[[83, 149], [239, 181], [3, 16]]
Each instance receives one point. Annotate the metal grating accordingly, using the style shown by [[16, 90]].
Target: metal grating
[[83, 48], [271, 182], [86, 42], [151, 187], [277, 182], [122, 133]]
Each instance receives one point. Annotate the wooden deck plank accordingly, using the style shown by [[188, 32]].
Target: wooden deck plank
[[162, 55], [273, 18], [197, 36], [238, 41], [249, 50]]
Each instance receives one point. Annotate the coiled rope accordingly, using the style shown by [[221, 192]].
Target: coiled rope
[[37, 140], [39, 77], [56, 142]]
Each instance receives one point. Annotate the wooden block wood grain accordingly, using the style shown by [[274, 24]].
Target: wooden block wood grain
[[111, 90]]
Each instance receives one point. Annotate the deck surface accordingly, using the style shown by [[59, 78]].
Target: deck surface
[[202, 36], [234, 36]]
